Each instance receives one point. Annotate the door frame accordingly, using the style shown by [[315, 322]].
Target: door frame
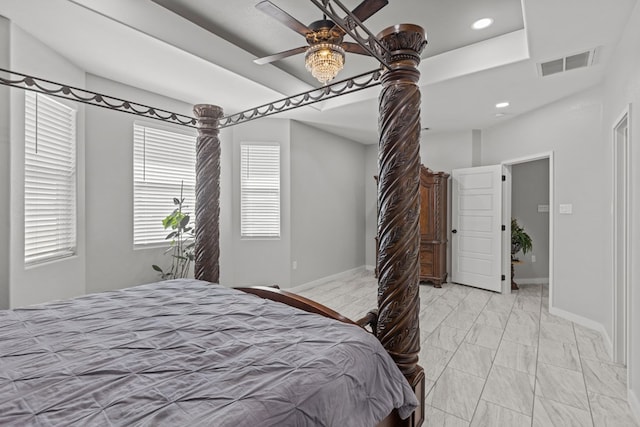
[[506, 212], [621, 351]]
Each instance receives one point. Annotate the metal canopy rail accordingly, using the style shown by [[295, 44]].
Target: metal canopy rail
[[342, 87], [48, 87]]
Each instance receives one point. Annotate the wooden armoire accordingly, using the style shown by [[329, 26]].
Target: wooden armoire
[[433, 226]]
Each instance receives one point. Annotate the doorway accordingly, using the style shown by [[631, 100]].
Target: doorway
[[621, 216], [528, 195]]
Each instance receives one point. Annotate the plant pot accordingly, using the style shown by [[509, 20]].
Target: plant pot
[[515, 248]]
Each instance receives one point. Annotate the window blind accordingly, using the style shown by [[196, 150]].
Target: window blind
[[163, 162], [49, 179], [260, 190]]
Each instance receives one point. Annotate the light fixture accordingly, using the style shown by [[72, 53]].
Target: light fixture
[[324, 61], [482, 23], [502, 104]]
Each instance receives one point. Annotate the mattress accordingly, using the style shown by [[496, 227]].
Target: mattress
[[188, 352]]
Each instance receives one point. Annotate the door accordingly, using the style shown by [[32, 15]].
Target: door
[[621, 179], [476, 220]]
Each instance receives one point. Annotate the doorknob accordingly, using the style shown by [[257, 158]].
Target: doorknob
[[454, 231]]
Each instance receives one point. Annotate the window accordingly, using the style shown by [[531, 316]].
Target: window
[[49, 179], [260, 190], [164, 162]]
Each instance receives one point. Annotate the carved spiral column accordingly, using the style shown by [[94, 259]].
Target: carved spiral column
[[399, 201], [207, 248]]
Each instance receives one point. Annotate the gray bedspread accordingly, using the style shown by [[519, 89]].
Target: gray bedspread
[[189, 353]]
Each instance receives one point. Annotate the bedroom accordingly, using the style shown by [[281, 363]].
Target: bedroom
[[565, 126]]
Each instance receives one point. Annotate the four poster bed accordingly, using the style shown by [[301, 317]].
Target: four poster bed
[[191, 352]]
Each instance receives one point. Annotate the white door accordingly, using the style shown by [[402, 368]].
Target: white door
[[476, 233]]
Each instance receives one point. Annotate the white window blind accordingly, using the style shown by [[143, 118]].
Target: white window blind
[[49, 179], [260, 190], [163, 161]]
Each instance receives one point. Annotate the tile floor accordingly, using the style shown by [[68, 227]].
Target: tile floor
[[501, 360]]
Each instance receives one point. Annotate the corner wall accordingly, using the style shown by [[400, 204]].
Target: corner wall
[[327, 204]]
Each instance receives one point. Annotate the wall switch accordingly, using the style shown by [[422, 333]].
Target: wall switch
[[294, 265], [533, 258], [566, 209]]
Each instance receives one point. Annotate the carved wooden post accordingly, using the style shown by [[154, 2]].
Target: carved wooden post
[[207, 248], [399, 205]]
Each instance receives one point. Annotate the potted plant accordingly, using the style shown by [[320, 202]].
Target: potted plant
[[520, 240], [182, 243]]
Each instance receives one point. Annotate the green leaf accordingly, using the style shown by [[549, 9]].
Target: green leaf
[[156, 268], [176, 201]]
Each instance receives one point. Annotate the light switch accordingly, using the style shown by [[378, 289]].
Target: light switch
[[543, 208], [566, 209]]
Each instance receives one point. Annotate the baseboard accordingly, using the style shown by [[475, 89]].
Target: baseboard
[[634, 403], [370, 267], [322, 280], [587, 323], [534, 281]]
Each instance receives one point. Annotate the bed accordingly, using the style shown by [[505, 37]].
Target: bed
[[87, 360], [188, 352]]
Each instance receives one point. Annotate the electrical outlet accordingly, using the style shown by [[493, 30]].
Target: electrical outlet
[[294, 264], [533, 258]]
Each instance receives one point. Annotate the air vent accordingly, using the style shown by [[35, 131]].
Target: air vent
[[571, 62]]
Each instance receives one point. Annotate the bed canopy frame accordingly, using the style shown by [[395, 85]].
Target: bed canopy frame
[[398, 48]]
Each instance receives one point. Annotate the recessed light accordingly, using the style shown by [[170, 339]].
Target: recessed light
[[482, 23], [502, 104]]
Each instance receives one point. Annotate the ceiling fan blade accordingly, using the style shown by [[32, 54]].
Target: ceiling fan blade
[[368, 7], [281, 55], [283, 17], [355, 48]]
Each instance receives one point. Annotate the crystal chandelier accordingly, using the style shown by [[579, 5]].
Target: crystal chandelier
[[324, 61]]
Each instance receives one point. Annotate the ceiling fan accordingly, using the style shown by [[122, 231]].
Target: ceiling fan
[[326, 49]]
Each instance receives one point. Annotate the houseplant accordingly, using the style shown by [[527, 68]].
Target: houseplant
[[520, 240], [182, 243]]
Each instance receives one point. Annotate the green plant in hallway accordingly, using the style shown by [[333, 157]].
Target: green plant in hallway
[[182, 242], [520, 240]]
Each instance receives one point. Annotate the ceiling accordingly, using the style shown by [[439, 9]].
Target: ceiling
[[200, 53]]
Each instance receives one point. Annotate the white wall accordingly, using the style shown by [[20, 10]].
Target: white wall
[[112, 262], [371, 204], [572, 129], [261, 261], [445, 151], [59, 279], [5, 164], [622, 87], [327, 204], [530, 188]]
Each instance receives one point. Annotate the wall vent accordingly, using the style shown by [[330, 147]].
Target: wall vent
[[571, 62]]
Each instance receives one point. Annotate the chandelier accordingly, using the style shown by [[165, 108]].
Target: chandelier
[[324, 61]]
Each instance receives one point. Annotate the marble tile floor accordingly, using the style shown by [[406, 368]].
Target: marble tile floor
[[495, 360]]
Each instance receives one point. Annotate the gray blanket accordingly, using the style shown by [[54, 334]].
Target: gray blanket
[[189, 353]]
